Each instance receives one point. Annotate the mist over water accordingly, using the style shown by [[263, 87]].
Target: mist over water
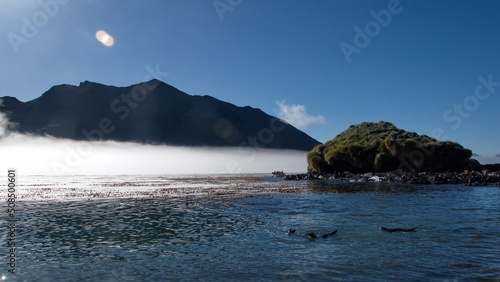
[[46, 155], [488, 159]]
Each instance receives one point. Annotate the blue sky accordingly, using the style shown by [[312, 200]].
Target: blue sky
[[422, 65]]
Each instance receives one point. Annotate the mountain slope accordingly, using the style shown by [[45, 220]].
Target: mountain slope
[[150, 112]]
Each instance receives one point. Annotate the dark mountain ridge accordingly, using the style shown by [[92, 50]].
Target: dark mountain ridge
[[150, 112]]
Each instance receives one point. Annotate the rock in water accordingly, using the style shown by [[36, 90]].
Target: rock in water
[[397, 229], [314, 236]]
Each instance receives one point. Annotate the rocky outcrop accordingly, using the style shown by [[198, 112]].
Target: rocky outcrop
[[379, 147], [474, 178]]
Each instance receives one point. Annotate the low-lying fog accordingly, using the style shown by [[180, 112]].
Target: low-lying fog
[[35, 155]]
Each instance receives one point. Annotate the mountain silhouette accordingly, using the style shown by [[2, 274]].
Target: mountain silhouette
[[151, 112]]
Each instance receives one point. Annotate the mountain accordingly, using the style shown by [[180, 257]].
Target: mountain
[[150, 112]]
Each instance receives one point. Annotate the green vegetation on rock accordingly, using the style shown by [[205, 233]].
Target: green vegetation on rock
[[378, 147]]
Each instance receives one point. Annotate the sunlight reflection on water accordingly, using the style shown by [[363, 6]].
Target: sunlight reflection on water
[[233, 237]]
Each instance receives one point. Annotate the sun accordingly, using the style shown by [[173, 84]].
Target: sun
[[106, 39]]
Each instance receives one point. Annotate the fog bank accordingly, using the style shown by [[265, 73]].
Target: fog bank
[[36, 155]]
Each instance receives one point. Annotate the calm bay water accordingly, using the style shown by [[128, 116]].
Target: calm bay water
[[244, 237]]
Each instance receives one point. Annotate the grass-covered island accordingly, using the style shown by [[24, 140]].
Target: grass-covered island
[[382, 152], [382, 147]]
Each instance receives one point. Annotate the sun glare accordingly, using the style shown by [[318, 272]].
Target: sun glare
[[103, 37]]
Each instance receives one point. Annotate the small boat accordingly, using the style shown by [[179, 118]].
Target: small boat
[[278, 173]]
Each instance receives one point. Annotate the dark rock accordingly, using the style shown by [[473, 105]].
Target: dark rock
[[423, 178], [491, 167], [419, 179]]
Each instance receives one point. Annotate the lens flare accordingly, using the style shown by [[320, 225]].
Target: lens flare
[[106, 39]]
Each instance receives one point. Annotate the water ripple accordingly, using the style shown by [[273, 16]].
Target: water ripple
[[244, 238]]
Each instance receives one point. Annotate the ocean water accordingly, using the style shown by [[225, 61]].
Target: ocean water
[[224, 232]]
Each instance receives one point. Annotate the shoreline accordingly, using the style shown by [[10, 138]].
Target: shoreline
[[85, 188], [474, 178], [194, 187]]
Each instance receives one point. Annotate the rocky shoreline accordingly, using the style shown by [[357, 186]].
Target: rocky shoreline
[[474, 178]]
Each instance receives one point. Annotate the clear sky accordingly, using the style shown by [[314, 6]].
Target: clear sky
[[432, 67]]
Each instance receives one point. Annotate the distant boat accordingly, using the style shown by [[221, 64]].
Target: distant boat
[[278, 173]]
